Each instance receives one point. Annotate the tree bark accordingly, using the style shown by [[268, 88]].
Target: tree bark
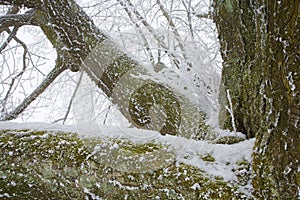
[[260, 48], [137, 91]]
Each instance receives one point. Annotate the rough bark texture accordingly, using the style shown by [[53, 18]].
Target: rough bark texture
[[260, 48], [81, 45]]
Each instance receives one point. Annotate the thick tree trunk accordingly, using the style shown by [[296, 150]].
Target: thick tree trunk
[[137, 91], [261, 75]]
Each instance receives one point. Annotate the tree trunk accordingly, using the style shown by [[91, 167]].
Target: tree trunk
[[260, 87], [140, 94]]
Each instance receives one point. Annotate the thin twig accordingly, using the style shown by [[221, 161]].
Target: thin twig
[[106, 114], [189, 17], [156, 36], [12, 34], [145, 42], [9, 91], [173, 27], [72, 98], [39, 90]]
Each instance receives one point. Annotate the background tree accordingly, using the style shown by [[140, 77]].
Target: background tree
[[260, 82]]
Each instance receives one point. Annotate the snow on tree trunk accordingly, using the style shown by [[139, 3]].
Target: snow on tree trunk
[[142, 97], [260, 48]]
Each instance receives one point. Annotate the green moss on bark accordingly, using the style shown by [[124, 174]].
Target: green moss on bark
[[56, 165]]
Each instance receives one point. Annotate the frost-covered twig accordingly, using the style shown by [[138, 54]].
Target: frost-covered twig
[[173, 27], [20, 74], [72, 98], [39, 90], [141, 34], [151, 30]]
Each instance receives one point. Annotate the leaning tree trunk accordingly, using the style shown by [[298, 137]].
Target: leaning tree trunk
[[260, 87], [140, 94]]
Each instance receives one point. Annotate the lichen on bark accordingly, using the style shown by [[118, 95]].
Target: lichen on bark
[[58, 165]]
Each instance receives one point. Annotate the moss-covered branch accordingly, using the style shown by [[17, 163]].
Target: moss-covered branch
[[57, 165]]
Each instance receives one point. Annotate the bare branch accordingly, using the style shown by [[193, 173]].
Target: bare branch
[[174, 30], [145, 42], [9, 39], [23, 3], [72, 98], [13, 10], [170, 21], [16, 20], [205, 16], [9, 91], [189, 18], [76, 38], [39, 90], [156, 36]]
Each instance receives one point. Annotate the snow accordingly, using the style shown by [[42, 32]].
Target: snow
[[187, 151], [91, 194], [292, 83], [196, 186]]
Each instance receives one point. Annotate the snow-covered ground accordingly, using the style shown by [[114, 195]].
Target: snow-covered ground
[[187, 151]]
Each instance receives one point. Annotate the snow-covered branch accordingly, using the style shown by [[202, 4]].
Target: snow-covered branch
[[23, 3], [16, 20]]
